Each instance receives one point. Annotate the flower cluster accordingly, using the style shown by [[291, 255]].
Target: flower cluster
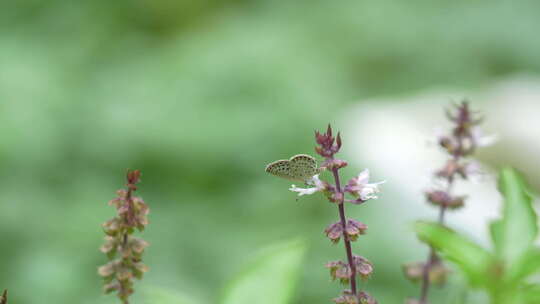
[[348, 297], [461, 143], [360, 190], [123, 250]]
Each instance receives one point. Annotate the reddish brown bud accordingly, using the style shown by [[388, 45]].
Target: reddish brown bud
[[107, 269], [111, 287], [352, 230], [336, 197], [347, 297], [333, 163], [339, 270], [133, 176], [327, 146], [334, 232], [138, 245], [364, 268], [442, 198], [449, 170], [437, 273]]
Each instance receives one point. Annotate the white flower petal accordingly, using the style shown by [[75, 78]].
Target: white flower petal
[[361, 186], [363, 177], [303, 191]]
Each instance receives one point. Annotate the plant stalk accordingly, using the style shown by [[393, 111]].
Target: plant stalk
[[348, 249]]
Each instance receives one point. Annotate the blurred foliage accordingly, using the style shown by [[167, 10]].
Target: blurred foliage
[[271, 279], [199, 95], [502, 274]]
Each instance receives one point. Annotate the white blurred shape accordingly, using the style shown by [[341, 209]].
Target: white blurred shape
[[391, 137]]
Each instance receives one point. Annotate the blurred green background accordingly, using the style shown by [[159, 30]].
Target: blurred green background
[[200, 95]]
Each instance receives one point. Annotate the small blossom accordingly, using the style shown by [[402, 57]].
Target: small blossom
[[360, 187], [314, 181]]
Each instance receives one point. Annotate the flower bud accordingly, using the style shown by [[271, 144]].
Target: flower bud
[[3, 297], [339, 270], [106, 270], [347, 297], [334, 232], [444, 199], [365, 298], [438, 273], [449, 170], [353, 228], [364, 268], [110, 287], [334, 164]]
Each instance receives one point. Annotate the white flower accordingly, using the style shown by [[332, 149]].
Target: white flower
[[482, 140], [360, 186], [314, 181]]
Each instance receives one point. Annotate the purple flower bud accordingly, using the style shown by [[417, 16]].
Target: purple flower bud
[[327, 143], [333, 163], [444, 199], [355, 228], [364, 268], [334, 232]]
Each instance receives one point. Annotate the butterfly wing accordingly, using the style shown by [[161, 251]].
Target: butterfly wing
[[279, 168], [303, 167]]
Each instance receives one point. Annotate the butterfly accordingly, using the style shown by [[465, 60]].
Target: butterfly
[[301, 167]]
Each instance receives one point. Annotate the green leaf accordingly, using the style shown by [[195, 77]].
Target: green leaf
[[270, 279], [531, 294], [526, 265], [518, 228], [496, 230], [472, 259]]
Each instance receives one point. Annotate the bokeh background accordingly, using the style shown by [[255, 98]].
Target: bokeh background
[[200, 95]]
